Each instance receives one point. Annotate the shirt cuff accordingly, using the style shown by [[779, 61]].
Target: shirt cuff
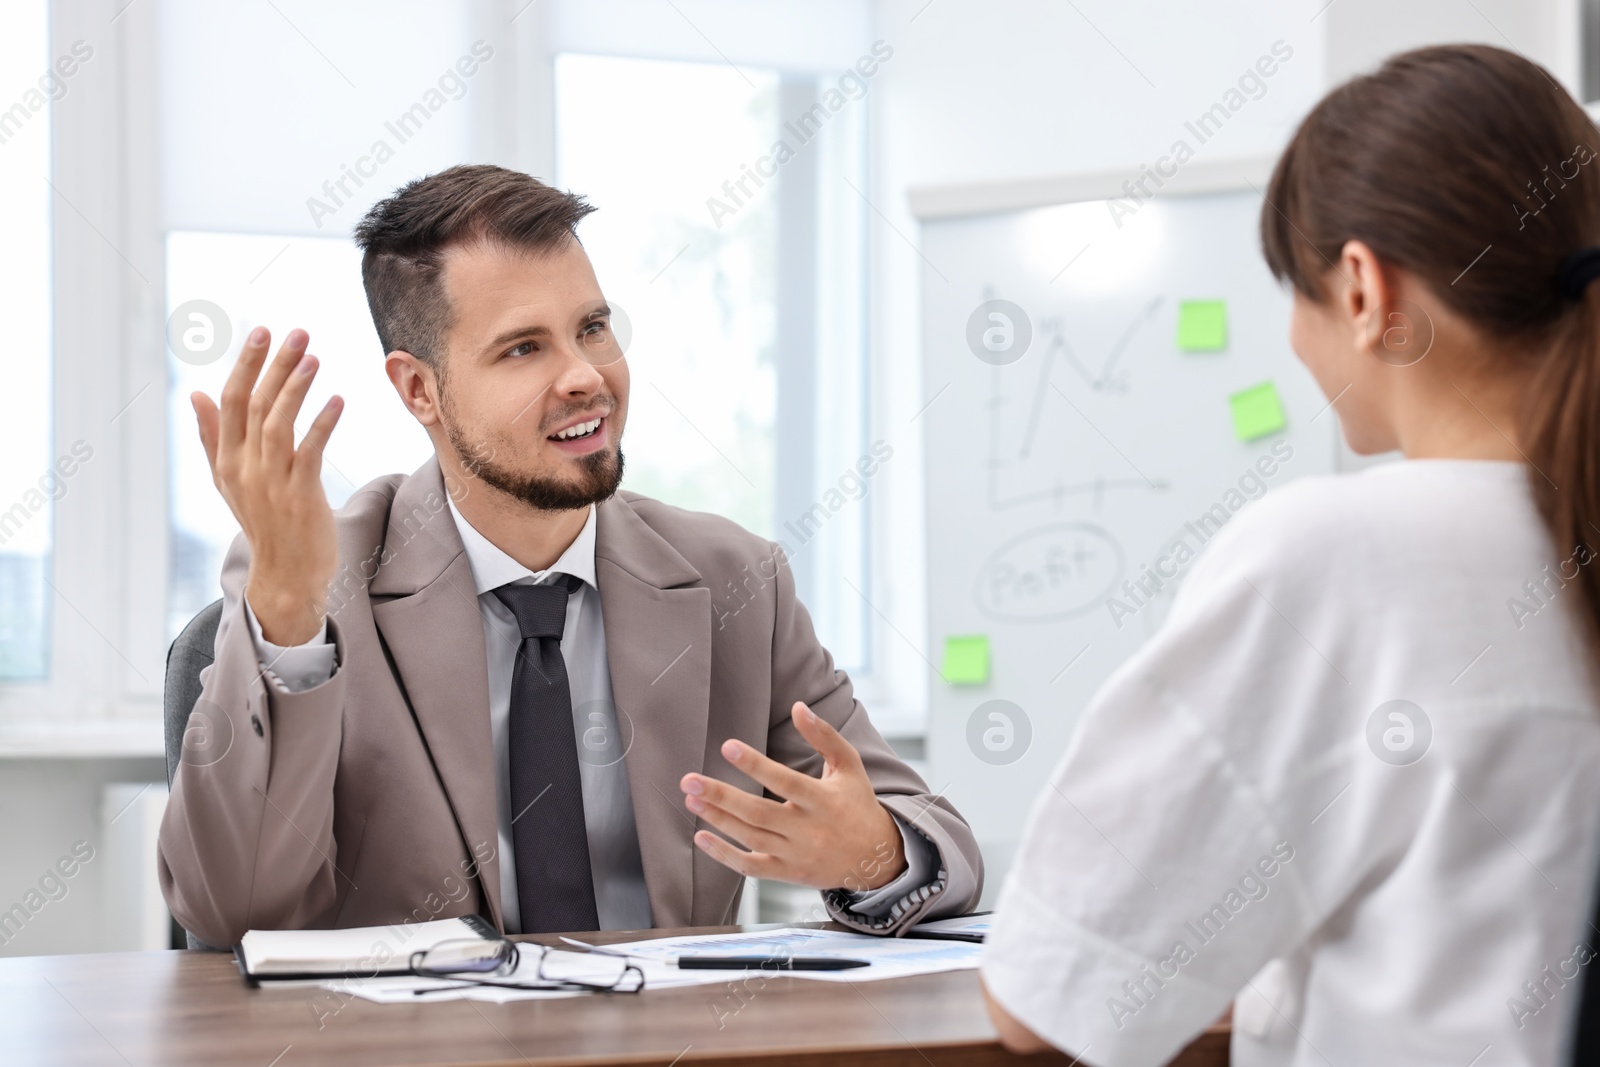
[[922, 868], [295, 668]]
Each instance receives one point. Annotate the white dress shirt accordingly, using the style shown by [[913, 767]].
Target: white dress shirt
[[1353, 781], [619, 891], [621, 899]]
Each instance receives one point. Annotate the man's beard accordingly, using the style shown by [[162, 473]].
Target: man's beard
[[600, 473]]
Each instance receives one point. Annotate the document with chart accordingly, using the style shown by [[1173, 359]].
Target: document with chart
[[887, 957]]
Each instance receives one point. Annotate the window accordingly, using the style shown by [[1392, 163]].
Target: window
[[30, 480], [219, 288], [647, 142], [740, 269]]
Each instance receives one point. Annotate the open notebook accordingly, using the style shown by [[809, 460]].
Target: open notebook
[[357, 952], [972, 928]]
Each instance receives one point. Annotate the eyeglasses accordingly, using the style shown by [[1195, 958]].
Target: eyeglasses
[[482, 961]]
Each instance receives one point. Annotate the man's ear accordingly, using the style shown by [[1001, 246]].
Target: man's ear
[[416, 384]]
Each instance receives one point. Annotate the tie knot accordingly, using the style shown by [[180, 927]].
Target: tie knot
[[540, 610]]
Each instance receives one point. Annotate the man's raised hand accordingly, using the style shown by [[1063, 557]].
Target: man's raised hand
[[274, 489]]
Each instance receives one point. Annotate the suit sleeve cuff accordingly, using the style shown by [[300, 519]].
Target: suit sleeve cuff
[[294, 668], [922, 871]]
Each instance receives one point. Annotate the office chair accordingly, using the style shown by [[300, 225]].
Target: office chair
[[194, 648], [1586, 1026]]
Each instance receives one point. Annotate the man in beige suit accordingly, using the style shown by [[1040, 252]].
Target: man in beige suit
[[497, 686]]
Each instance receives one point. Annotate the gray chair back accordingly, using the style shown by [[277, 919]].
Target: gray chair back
[[189, 654]]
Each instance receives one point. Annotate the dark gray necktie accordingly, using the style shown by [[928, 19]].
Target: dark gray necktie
[[555, 886]]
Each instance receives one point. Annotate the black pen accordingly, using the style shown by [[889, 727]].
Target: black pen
[[736, 963], [767, 963]]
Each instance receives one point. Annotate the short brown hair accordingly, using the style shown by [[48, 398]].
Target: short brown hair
[[404, 237]]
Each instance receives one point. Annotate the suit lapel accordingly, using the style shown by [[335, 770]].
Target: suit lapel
[[426, 608], [658, 642]]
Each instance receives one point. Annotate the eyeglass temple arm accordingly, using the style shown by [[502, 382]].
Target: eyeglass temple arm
[[602, 950]]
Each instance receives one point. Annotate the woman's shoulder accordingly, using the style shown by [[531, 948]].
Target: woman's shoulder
[[1423, 495], [1371, 524]]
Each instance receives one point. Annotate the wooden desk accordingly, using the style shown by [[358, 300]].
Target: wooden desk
[[172, 1009]]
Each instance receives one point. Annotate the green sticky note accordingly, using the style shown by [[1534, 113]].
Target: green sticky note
[[1256, 412], [1203, 325], [966, 660]]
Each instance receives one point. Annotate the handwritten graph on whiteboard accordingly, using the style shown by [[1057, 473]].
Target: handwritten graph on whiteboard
[[1058, 468]]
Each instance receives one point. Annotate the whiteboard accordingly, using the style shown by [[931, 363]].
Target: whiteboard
[[1074, 446]]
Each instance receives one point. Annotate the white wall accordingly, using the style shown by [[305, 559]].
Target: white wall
[[48, 806], [807, 35], [1360, 33]]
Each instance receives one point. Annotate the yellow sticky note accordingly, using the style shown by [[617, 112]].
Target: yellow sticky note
[[1256, 412], [966, 660], [1203, 325]]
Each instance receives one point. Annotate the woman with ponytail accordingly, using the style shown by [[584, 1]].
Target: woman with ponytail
[[1352, 787]]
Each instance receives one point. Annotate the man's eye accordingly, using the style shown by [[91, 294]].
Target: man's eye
[[525, 348], [595, 328]]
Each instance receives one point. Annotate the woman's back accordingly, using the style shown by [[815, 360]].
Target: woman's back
[[1345, 778], [1449, 789]]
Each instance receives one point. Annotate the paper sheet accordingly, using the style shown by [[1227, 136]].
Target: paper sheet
[[890, 957]]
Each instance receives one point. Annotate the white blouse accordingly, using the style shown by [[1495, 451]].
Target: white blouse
[[1354, 781]]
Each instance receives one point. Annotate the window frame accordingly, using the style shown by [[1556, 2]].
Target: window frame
[[107, 565]]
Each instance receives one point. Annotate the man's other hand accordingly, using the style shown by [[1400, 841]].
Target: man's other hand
[[828, 833]]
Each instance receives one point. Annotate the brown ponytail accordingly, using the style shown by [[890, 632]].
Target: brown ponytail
[[1561, 427], [1469, 167]]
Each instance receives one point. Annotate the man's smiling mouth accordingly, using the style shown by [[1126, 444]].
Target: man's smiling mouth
[[578, 431]]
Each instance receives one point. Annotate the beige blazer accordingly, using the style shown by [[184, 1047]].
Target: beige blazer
[[370, 799]]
